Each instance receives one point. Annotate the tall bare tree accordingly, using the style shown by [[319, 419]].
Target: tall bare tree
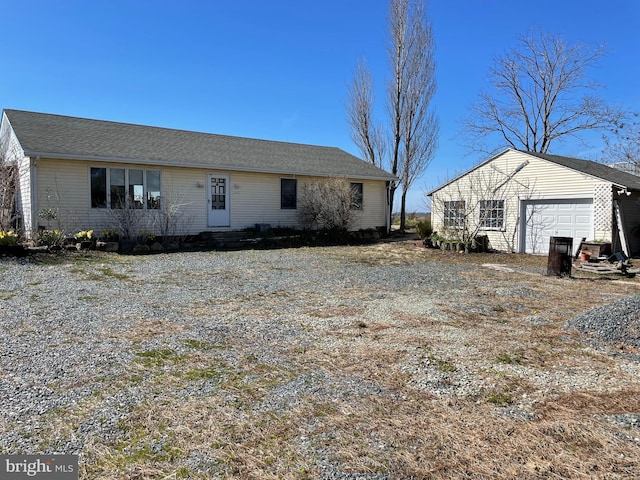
[[365, 133], [540, 94], [412, 131], [419, 126]]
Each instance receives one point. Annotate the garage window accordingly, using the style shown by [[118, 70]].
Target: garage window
[[492, 214], [454, 213]]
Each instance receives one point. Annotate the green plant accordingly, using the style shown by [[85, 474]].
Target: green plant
[[109, 235], [157, 357], [424, 229], [50, 238], [9, 238], [145, 236], [499, 398], [509, 359]]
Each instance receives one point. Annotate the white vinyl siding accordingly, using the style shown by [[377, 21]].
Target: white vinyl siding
[[538, 180], [254, 197]]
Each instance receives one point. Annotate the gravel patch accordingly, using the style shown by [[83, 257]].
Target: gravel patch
[[616, 323], [85, 341]]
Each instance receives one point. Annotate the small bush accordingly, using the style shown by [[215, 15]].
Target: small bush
[[424, 229], [9, 238], [109, 235], [145, 236], [50, 238], [327, 205]]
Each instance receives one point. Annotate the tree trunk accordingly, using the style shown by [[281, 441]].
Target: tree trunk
[[403, 212], [392, 194]]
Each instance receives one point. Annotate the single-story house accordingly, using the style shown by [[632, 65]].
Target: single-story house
[[520, 199], [78, 172]]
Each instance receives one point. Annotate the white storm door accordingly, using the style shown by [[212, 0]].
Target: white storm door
[[218, 200]]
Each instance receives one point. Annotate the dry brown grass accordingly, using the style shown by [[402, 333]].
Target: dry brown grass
[[342, 397]]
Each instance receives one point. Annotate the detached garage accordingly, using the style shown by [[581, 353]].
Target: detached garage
[[520, 199]]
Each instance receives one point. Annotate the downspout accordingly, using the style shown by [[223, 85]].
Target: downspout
[[388, 209]]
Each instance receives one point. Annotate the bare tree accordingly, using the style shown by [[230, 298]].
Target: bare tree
[[365, 133], [420, 127], [413, 129], [539, 93], [624, 153]]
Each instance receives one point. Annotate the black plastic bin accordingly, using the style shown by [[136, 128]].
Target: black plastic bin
[[560, 253]]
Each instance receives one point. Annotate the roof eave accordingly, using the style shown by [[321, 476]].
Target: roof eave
[[138, 161]]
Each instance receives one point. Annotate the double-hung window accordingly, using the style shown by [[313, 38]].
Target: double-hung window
[[356, 195], [117, 188], [288, 193], [454, 213], [491, 214]]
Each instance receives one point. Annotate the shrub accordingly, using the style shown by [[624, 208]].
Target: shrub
[[9, 238], [109, 235], [50, 238], [145, 236], [327, 205], [423, 227]]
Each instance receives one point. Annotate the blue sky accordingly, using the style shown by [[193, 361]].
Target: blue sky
[[279, 69]]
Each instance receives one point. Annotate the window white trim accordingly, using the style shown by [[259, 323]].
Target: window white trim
[[145, 198], [453, 215], [492, 214]]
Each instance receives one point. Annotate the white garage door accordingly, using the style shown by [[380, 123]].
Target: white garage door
[[556, 218]]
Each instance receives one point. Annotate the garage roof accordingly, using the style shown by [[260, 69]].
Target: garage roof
[[588, 167], [613, 175]]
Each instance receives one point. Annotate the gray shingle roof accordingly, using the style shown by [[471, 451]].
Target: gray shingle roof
[[596, 169], [58, 136]]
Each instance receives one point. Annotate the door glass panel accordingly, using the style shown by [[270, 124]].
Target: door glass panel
[[218, 190]]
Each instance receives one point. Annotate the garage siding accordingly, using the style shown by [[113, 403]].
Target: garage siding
[[528, 178]]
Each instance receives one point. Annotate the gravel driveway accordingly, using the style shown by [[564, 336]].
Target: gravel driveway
[[311, 363]]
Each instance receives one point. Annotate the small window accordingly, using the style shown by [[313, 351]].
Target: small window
[[492, 214], [356, 195], [288, 193], [98, 188], [153, 189], [454, 213]]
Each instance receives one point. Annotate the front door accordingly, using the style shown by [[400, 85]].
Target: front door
[[218, 200]]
